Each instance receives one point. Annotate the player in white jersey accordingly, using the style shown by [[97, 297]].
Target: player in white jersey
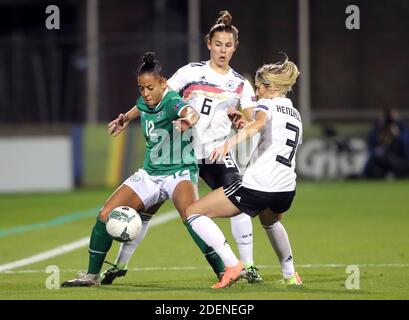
[[268, 186], [212, 88], [212, 94], [275, 176]]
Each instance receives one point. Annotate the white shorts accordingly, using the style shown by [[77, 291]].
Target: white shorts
[[156, 189]]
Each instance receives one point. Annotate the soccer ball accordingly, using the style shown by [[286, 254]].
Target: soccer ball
[[123, 224]]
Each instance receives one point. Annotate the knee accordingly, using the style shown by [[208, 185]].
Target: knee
[[183, 215], [190, 210], [103, 214], [270, 220]]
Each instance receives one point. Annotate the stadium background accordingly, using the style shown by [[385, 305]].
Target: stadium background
[[59, 88]]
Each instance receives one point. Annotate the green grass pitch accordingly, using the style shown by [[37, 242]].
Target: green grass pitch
[[331, 226]]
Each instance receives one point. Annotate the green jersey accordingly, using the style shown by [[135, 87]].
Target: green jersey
[[167, 149]]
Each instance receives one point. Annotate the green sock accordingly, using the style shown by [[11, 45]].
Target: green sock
[[211, 256], [99, 245]]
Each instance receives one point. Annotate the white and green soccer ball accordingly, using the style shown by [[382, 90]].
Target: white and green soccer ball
[[123, 224]]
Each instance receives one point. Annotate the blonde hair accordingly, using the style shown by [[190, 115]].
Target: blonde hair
[[223, 24], [281, 75]]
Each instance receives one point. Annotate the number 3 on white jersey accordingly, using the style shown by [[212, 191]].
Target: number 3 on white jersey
[[291, 143]]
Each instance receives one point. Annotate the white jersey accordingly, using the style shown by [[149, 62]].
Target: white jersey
[[211, 94], [272, 164]]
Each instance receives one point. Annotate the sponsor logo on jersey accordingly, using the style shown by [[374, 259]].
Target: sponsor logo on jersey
[[238, 198]]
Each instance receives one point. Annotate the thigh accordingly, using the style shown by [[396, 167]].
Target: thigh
[[123, 196], [153, 209], [145, 187], [181, 187], [184, 195], [214, 205]]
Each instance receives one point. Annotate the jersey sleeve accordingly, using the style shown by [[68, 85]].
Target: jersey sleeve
[[175, 107], [180, 79], [139, 102], [248, 97], [264, 106]]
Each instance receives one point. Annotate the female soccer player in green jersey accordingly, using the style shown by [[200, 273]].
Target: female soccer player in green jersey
[[169, 169]]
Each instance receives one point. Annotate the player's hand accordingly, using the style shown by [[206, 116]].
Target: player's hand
[[236, 118], [182, 124], [219, 153], [118, 125]]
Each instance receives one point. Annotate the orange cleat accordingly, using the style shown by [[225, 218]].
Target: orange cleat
[[231, 275]]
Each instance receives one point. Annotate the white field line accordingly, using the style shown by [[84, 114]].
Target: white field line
[[156, 221], [184, 268]]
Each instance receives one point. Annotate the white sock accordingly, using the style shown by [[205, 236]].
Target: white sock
[[211, 234], [242, 230], [127, 249], [281, 244]]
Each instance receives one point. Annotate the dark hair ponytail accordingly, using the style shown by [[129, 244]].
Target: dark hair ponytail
[[150, 65]]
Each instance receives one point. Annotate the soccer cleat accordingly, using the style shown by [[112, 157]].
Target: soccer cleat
[[83, 280], [220, 276], [231, 275], [295, 280], [252, 275], [109, 275]]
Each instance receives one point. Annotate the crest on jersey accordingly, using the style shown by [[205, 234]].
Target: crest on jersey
[[230, 84], [159, 115], [177, 105]]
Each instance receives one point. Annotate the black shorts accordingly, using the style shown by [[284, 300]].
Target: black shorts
[[219, 174], [252, 202]]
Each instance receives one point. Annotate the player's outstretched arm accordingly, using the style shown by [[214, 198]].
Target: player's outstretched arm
[[122, 121], [251, 129]]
